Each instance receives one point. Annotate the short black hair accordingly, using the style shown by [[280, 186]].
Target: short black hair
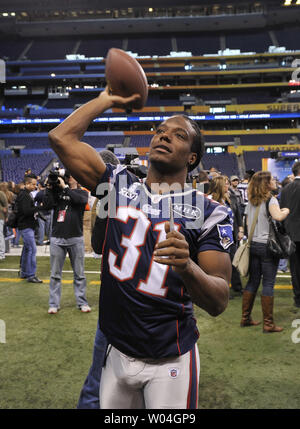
[[30, 175], [296, 168], [29, 178], [197, 144]]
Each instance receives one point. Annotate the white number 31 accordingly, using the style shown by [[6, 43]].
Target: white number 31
[[154, 283]]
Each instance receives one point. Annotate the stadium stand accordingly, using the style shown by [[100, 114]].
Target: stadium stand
[[253, 159], [257, 41], [14, 168], [288, 36], [97, 47], [205, 44], [160, 45], [140, 140], [12, 49], [223, 162], [199, 80], [50, 49]]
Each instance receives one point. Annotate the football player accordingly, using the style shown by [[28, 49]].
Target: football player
[[151, 272]]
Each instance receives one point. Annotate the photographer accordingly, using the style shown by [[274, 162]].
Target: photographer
[[44, 217], [68, 202]]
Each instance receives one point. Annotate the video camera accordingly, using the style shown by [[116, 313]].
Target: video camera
[[53, 179]]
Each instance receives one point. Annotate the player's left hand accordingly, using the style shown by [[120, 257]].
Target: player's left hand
[[173, 251]]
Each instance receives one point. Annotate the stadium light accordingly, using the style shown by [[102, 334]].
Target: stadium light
[[287, 2]]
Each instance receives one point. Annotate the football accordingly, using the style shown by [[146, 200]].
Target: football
[[125, 76]]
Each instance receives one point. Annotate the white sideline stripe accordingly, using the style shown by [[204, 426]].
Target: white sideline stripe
[[16, 270]]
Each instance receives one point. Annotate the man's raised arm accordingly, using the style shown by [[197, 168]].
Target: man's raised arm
[[82, 160]]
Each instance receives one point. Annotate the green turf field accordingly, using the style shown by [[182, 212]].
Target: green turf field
[[44, 358]]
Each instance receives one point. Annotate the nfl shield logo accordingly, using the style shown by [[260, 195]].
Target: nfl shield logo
[[173, 372]]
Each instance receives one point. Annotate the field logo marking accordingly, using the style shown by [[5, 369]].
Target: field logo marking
[[296, 334], [2, 331]]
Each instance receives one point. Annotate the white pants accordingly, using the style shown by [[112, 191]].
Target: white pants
[[170, 383]]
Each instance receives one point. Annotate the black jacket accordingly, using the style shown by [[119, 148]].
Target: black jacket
[[39, 201], [68, 209], [237, 216], [290, 198], [27, 211]]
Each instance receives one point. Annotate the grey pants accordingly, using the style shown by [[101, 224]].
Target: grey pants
[[57, 258]]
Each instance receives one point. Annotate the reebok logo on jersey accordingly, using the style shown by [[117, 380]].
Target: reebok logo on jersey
[[173, 372]]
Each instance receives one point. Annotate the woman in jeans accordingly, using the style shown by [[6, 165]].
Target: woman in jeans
[[262, 263]]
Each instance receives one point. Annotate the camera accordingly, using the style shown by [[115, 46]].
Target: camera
[[53, 179]]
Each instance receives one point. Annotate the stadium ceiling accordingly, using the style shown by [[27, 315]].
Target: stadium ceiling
[[40, 18]]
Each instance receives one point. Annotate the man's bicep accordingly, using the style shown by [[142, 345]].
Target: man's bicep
[[215, 263], [83, 162]]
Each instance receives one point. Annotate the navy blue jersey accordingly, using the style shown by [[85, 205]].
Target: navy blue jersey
[[145, 310]]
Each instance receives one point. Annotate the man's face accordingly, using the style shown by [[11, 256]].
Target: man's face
[[170, 147], [31, 186], [234, 183]]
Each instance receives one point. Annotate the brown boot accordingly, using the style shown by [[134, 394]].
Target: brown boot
[[267, 303], [247, 305]]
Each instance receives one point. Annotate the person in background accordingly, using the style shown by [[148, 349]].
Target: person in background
[[213, 172], [243, 188], [17, 235], [283, 263], [98, 224], [236, 193], [89, 395], [3, 216], [290, 197], [44, 217], [219, 191], [263, 265], [11, 186], [68, 202], [27, 214], [87, 232], [8, 231], [28, 172], [203, 180]]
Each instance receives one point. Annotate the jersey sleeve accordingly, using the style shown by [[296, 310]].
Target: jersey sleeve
[[217, 230], [116, 178], [107, 180]]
